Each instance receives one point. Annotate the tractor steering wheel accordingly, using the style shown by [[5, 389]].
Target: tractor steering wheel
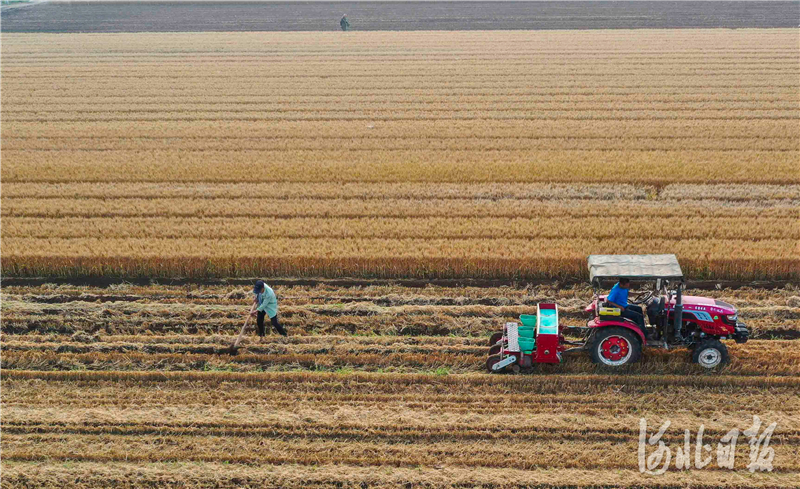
[[643, 297]]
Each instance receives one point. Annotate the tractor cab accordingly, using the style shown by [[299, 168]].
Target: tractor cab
[[659, 280], [672, 319]]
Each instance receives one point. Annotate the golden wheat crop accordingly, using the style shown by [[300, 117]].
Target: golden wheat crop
[[483, 206], [383, 257], [278, 191], [766, 228], [505, 154]]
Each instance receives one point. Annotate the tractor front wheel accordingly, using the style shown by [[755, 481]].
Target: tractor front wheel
[[615, 347], [710, 354]]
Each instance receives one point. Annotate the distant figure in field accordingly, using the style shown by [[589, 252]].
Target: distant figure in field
[[344, 23]]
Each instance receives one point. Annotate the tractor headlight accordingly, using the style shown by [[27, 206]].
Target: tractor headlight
[[730, 319]]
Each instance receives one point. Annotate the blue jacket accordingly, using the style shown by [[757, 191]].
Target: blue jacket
[[618, 295]]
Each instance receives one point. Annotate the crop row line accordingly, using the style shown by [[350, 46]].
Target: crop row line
[[294, 149], [390, 434], [431, 90], [437, 137], [291, 107], [371, 381], [381, 118], [381, 74]]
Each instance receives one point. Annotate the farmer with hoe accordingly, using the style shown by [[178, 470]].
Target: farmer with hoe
[[344, 23], [618, 297], [266, 304]]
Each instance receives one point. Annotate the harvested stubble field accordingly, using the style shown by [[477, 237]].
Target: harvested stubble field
[[377, 386], [462, 154]]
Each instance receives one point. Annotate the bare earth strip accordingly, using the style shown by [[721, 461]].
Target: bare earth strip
[[393, 16]]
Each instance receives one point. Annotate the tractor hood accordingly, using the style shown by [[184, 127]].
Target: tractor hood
[[693, 302]]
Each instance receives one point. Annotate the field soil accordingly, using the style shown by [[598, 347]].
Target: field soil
[[395, 16]]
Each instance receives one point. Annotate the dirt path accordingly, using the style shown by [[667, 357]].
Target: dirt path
[[413, 16]]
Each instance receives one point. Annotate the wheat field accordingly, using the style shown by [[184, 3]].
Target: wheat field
[[399, 154], [359, 174]]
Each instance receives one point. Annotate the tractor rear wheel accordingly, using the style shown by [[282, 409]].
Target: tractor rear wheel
[[495, 338], [495, 350], [615, 347], [710, 354]]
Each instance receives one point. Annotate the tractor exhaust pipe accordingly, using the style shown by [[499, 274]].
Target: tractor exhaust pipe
[[678, 314]]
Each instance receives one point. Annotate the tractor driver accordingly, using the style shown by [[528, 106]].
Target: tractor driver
[[618, 297]]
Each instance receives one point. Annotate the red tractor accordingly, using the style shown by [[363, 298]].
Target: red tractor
[[675, 321]]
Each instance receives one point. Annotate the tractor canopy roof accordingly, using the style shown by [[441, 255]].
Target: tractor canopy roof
[[634, 267]]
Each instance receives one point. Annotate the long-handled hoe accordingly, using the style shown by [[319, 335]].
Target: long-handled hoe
[[234, 349]]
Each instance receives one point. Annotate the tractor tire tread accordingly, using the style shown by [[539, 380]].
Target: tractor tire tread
[[711, 343], [633, 340]]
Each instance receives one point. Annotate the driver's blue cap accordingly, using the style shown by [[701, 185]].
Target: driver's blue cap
[[259, 286]]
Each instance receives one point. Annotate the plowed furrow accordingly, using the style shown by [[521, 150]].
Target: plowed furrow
[[485, 453]]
